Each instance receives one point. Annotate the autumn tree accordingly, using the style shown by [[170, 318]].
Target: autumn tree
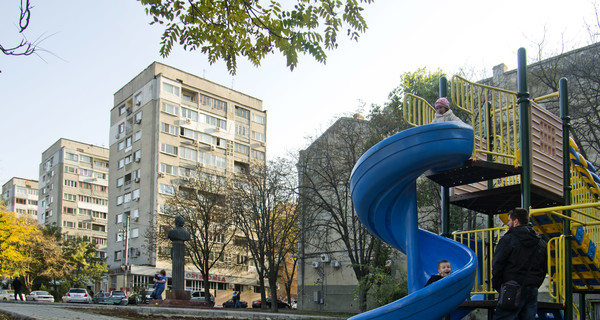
[[204, 203], [266, 212], [227, 29]]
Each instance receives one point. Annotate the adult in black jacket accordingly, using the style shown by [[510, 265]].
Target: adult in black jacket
[[520, 256], [17, 286]]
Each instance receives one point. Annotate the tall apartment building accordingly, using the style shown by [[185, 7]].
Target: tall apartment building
[[21, 196], [165, 124], [73, 190]]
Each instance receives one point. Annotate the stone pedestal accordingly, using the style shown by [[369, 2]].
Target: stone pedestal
[[181, 298]]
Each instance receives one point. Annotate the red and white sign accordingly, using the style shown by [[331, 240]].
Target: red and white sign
[[198, 276]]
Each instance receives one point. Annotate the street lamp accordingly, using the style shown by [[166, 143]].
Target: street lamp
[[125, 231]]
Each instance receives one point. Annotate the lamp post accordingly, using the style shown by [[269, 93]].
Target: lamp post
[[125, 231]]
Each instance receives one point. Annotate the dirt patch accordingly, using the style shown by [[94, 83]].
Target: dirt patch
[[127, 313]]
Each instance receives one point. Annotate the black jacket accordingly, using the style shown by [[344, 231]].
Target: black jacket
[[521, 256]]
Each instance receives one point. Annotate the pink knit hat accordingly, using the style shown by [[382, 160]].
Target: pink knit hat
[[442, 102]]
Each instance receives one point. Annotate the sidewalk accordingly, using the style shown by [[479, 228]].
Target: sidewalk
[[61, 311]]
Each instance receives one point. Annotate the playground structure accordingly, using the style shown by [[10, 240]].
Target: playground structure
[[520, 156]]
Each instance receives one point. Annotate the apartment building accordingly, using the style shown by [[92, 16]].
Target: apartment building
[[167, 127], [73, 190], [21, 196]]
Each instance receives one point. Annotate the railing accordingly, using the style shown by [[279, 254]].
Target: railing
[[417, 111], [556, 282], [482, 242]]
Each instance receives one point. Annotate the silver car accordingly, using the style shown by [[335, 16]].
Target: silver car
[[77, 295], [39, 296], [4, 295]]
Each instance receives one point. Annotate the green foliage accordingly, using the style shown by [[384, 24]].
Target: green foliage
[[387, 119], [382, 288], [227, 29], [86, 267]]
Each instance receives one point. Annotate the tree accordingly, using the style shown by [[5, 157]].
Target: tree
[[86, 267], [49, 262], [18, 237], [266, 211], [204, 203], [328, 222], [228, 29], [25, 47]]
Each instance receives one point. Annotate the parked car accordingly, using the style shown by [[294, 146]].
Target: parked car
[[280, 304], [101, 297], [77, 295], [4, 295], [199, 296], [39, 296], [230, 304], [11, 294], [118, 297]]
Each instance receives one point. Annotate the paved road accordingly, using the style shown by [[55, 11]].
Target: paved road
[[61, 311]]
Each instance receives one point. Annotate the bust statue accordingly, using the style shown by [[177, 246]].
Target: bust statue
[[179, 233]]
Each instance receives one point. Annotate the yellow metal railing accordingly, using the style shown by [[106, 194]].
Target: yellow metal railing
[[482, 242], [417, 111], [494, 116], [556, 283]]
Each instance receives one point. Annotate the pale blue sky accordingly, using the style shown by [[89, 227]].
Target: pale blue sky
[[94, 47]]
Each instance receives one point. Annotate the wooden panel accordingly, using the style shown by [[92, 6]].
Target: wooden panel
[[546, 146]]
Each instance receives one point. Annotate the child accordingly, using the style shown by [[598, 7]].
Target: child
[[444, 269]]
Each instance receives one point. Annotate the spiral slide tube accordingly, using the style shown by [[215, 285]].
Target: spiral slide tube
[[383, 186]]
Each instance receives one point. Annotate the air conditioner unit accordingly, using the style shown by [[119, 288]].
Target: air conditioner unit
[[160, 174], [136, 219], [316, 264], [138, 159], [212, 147], [324, 257], [336, 264], [218, 129], [138, 121], [137, 180], [137, 199], [138, 103], [188, 121]]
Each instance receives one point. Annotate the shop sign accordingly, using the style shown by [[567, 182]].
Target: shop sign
[[198, 276]]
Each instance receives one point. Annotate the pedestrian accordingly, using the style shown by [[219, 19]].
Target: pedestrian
[[17, 286], [520, 261], [238, 304], [444, 269], [160, 281], [90, 291], [443, 112]]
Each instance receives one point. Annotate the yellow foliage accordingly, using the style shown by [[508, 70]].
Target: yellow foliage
[[18, 235]]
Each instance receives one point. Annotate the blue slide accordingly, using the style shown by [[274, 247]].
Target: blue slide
[[383, 186]]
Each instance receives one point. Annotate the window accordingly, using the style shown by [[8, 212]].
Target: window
[[212, 102], [136, 174], [135, 233], [188, 96], [170, 190], [168, 128], [101, 164], [122, 127], [258, 136], [167, 148], [119, 200], [135, 213], [128, 159], [70, 169], [212, 160], [71, 183], [71, 156], [241, 113], [169, 108], [120, 218], [213, 121], [188, 154], [121, 145], [67, 210], [138, 99], [122, 109], [258, 118], [168, 169], [167, 87], [137, 136], [127, 197], [120, 181], [86, 159], [255, 154], [137, 155], [241, 148], [189, 114], [121, 163], [128, 142], [70, 197], [99, 175], [136, 194], [242, 130]]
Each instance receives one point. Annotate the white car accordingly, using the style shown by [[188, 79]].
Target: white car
[[77, 295], [4, 295], [11, 294], [39, 296]]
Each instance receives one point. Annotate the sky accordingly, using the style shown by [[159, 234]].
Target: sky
[[90, 49]]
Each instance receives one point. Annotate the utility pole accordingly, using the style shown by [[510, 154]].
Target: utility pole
[[126, 234]]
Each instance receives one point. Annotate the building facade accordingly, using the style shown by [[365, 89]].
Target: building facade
[[73, 190], [167, 127], [21, 196]]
